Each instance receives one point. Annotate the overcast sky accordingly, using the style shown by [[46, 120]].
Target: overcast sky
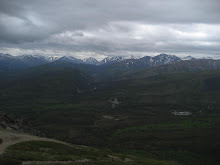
[[97, 28]]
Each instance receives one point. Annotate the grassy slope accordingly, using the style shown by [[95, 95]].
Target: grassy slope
[[36, 150]]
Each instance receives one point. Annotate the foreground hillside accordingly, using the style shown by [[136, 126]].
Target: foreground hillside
[[17, 148]]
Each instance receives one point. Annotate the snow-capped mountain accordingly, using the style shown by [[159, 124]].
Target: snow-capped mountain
[[209, 58], [147, 61], [27, 58], [9, 62], [144, 61], [51, 58], [90, 60], [32, 60], [164, 59], [70, 59], [5, 56], [188, 58], [132, 57], [111, 59]]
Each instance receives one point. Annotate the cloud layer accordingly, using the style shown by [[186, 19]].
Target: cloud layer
[[100, 27]]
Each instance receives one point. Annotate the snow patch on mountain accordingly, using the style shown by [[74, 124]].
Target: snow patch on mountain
[[5, 55], [90, 60], [70, 59], [188, 58], [165, 59], [131, 57], [37, 57], [111, 59]]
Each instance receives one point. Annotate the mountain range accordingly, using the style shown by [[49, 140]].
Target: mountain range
[[9, 62]]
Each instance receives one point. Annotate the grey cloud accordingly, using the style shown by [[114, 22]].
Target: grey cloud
[[103, 26]]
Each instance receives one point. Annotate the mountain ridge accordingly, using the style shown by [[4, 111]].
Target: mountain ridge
[[9, 62]]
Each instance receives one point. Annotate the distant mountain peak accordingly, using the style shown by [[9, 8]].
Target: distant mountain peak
[[188, 58], [27, 57], [91, 61], [165, 59], [111, 59], [132, 57], [209, 58], [2, 55], [70, 59]]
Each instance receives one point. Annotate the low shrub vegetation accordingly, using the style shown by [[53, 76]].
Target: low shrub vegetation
[[56, 154], [7, 161]]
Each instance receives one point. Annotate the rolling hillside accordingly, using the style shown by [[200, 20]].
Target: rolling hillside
[[17, 149]]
